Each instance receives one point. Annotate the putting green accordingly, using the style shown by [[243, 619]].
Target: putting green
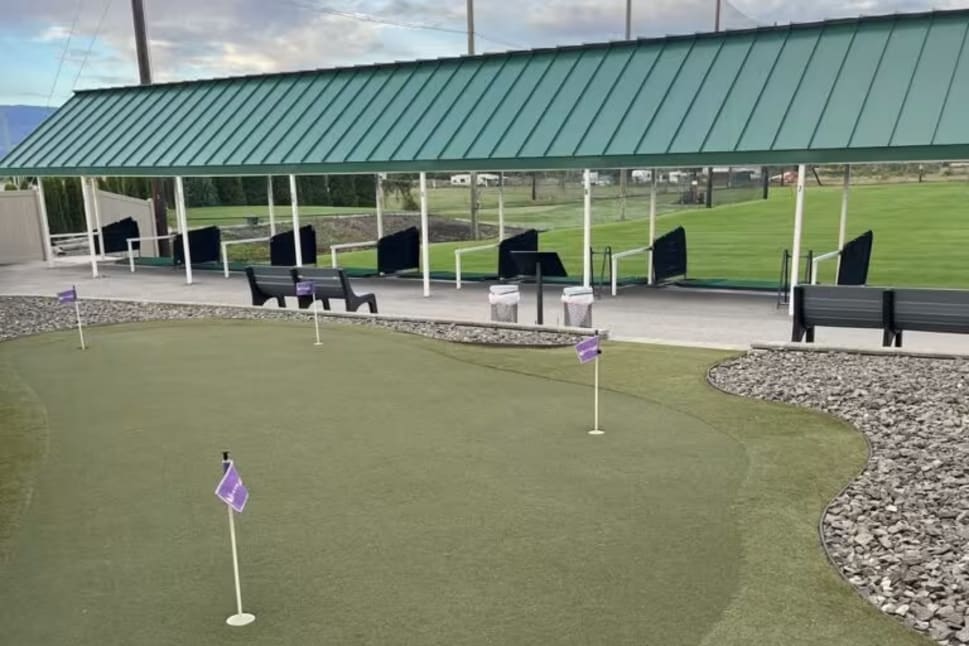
[[406, 491]]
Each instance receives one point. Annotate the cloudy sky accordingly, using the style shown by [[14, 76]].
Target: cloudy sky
[[50, 47]]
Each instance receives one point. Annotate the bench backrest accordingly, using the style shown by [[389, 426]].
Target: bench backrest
[[931, 310], [273, 280], [842, 306], [327, 283]]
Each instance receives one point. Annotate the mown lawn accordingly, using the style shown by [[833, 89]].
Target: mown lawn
[[921, 236]]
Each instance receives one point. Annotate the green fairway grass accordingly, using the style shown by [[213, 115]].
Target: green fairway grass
[[407, 491], [921, 236]]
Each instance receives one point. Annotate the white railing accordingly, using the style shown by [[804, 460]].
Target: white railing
[[74, 240], [616, 257], [457, 259], [131, 250], [225, 251], [817, 260], [348, 245]]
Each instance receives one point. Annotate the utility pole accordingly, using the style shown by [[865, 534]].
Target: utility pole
[[708, 198], [472, 177], [623, 175], [144, 75]]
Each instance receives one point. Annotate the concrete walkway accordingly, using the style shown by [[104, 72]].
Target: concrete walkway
[[677, 316]]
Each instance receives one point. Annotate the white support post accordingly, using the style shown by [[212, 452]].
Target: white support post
[[798, 226], [587, 229], [501, 206], [88, 223], [44, 224], [380, 205], [182, 218], [96, 203], [843, 225], [425, 237], [294, 200], [652, 223], [272, 206]]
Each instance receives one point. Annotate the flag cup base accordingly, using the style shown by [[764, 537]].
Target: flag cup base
[[318, 343], [241, 619], [596, 431]]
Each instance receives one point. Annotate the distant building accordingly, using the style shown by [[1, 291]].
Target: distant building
[[483, 179]]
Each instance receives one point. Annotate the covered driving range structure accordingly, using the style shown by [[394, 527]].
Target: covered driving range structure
[[866, 90]]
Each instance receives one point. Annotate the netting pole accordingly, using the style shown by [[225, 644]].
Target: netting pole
[[798, 225], [294, 202], [652, 222], [587, 230], [425, 237]]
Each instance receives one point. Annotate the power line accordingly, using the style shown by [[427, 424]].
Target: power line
[[60, 64], [90, 45], [365, 17]]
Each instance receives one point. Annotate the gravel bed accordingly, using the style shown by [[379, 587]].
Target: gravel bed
[[26, 315], [900, 531]]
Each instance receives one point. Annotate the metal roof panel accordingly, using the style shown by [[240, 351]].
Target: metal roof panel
[[879, 88]]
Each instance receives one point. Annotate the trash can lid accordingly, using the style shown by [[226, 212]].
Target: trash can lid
[[576, 291], [503, 289]]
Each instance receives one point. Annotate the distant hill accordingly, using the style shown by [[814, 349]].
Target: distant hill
[[18, 121]]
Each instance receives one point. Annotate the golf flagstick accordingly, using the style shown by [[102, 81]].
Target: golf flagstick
[[588, 350], [316, 319], [231, 491], [77, 312]]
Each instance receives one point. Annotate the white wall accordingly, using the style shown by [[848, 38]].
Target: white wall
[[116, 207], [20, 232]]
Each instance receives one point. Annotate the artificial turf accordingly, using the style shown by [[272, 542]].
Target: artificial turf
[[406, 491]]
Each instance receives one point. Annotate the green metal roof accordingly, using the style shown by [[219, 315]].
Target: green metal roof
[[885, 88]]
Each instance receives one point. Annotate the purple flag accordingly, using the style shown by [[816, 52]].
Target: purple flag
[[304, 288], [231, 490], [587, 349], [68, 296]]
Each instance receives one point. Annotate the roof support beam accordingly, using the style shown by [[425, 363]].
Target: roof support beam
[[182, 218], [652, 222], [294, 200], [842, 227], [89, 224], [96, 203], [501, 206], [587, 229], [269, 203], [798, 226], [425, 237], [380, 205], [44, 223]]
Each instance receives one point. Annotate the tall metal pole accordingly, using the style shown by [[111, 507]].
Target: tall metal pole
[[708, 198], [144, 75], [623, 173], [472, 177]]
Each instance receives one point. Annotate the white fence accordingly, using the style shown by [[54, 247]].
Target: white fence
[[22, 230]]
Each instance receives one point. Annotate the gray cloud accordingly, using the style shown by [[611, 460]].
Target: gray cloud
[[205, 38]]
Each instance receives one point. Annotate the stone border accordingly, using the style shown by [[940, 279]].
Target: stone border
[[898, 531], [27, 315]]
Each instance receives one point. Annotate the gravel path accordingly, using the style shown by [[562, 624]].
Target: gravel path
[[900, 531], [21, 316]]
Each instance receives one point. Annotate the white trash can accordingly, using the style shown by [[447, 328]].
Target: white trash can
[[504, 301], [577, 306]]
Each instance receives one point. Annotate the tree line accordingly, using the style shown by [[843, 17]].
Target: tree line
[[65, 204]]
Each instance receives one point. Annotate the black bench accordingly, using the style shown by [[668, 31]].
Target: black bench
[[842, 306], [266, 282], [927, 310], [892, 310], [330, 283]]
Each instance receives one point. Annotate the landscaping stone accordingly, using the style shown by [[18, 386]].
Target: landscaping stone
[[900, 531], [22, 315]]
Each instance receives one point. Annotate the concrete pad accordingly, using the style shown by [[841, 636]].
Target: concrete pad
[[714, 319]]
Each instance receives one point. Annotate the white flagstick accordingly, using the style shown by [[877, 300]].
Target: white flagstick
[[80, 329], [316, 318], [595, 424], [240, 618]]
